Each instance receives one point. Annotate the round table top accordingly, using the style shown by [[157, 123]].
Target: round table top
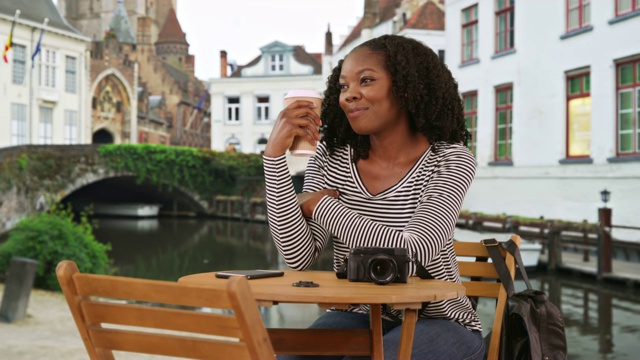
[[332, 290]]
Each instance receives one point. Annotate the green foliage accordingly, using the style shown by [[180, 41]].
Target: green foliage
[[203, 171], [51, 237]]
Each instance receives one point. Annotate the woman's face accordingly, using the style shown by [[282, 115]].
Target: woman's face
[[366, 94]]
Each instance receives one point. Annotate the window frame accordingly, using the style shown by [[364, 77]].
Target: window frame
[[262, 109], [473, 113], [580, 7], [634, 89], [19, 65], [232, 110], [473, 43], [508, 123], [276, 63], [71, 75], [583, 93], [70, 127], [635, 6], [45, 126], [509, 31], [48, 67], [18, 124]]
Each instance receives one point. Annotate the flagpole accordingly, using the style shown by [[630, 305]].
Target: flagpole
[[33, 56]]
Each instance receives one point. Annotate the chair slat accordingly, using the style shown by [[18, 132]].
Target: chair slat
[[479, 269], [119, 287], [168, 345], [161, 318]]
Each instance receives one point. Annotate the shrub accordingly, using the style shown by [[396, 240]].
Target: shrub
[[51, 237]]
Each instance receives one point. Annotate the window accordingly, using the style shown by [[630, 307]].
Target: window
[[505, 15], [45, 132], [18, 124], [471, 118], [627, 6], [70, 75], [276, 62], [578, 14], [579, 115], [48, 68], [470, 33], [262, 108], [628, 116], [233, 144], [233, 110], [504, 99], [70, 127], [19, 63]]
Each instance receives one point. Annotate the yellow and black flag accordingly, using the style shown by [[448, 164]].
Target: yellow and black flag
[[9, 43]]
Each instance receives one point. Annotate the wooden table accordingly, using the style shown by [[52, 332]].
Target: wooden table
[[339, 293]]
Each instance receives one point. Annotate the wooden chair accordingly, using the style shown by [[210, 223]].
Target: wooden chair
[[478, 272], [116, 313]]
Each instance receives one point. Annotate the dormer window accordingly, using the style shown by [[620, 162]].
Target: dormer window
[[276, 63]]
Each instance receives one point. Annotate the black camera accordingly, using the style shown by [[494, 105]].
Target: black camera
[[376, 264]]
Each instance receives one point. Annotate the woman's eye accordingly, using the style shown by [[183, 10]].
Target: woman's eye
[[366, 80], [342, 86]]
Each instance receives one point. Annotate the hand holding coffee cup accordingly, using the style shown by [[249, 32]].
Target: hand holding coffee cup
[[300, 145]]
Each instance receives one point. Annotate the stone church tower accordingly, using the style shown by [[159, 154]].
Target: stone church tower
[[92, 17]]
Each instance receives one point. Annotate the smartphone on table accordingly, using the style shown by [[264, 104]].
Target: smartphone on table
[[250, 274]]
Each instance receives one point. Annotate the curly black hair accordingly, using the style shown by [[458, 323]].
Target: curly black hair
[[423, 85]]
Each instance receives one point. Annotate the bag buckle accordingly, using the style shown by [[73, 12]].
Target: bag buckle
[[489, 242]]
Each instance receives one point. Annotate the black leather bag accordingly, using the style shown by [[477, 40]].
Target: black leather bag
[[532, 327]]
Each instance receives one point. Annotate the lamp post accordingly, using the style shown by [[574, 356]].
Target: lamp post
[[605, 195], [605, 243]]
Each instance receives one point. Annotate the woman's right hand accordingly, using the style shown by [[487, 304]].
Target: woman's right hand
[[297, 119]]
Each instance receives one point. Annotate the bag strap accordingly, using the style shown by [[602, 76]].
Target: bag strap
[[498, 262]]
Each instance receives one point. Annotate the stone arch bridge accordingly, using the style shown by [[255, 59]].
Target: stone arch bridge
[[34, 176]]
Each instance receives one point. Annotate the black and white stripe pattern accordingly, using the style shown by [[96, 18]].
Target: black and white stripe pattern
[[418, 213]]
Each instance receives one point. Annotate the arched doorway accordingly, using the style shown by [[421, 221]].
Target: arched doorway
[[102, 136], [111, 108]]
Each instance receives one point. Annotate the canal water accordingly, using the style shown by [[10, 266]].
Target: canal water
[[602, 321]]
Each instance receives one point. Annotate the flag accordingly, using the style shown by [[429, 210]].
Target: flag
[[37, 49], [9, 43], [201, 102]]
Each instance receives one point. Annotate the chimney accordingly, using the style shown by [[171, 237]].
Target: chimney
[[223, 64], [370, 17], [328, 42]]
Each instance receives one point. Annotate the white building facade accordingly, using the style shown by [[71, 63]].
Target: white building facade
[[45, 102], [552, 97], [245, 105]]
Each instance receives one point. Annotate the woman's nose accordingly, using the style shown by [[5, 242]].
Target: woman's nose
[[351, 95]]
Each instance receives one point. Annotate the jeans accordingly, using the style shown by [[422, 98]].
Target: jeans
[[435, 339]]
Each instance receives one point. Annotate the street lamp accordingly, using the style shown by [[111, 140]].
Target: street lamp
[[605, 195]]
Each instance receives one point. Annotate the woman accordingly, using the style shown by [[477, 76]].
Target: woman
[[391, 170]]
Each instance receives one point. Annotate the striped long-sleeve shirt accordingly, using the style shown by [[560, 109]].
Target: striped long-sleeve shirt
[[418, 213]]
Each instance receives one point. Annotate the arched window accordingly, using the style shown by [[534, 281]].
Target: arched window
[[232, 144], [261, 144]]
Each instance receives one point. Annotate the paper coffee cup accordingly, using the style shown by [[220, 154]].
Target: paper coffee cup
[[300, 146]]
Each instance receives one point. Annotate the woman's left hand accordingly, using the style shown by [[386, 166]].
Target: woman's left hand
[[309, 200]]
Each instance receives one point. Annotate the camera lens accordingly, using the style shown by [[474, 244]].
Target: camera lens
[[382, 269]]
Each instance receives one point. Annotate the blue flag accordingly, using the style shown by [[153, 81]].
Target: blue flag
[[37, 49], [201, 102]]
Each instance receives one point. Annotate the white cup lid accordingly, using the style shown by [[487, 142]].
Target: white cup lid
[[303, 93]]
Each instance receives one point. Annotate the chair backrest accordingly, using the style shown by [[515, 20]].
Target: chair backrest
[[115, 313], [483, 282]]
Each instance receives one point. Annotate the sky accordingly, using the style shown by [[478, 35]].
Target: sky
[[242, 27]]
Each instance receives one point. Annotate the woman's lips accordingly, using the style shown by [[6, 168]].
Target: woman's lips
[[356, 112]]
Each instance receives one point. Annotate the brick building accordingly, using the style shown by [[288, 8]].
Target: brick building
[[143, 85]]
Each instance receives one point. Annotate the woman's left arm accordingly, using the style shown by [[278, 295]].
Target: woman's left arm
[[433, 222]]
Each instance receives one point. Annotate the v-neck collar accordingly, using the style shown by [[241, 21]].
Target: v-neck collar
[[384, 193]]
